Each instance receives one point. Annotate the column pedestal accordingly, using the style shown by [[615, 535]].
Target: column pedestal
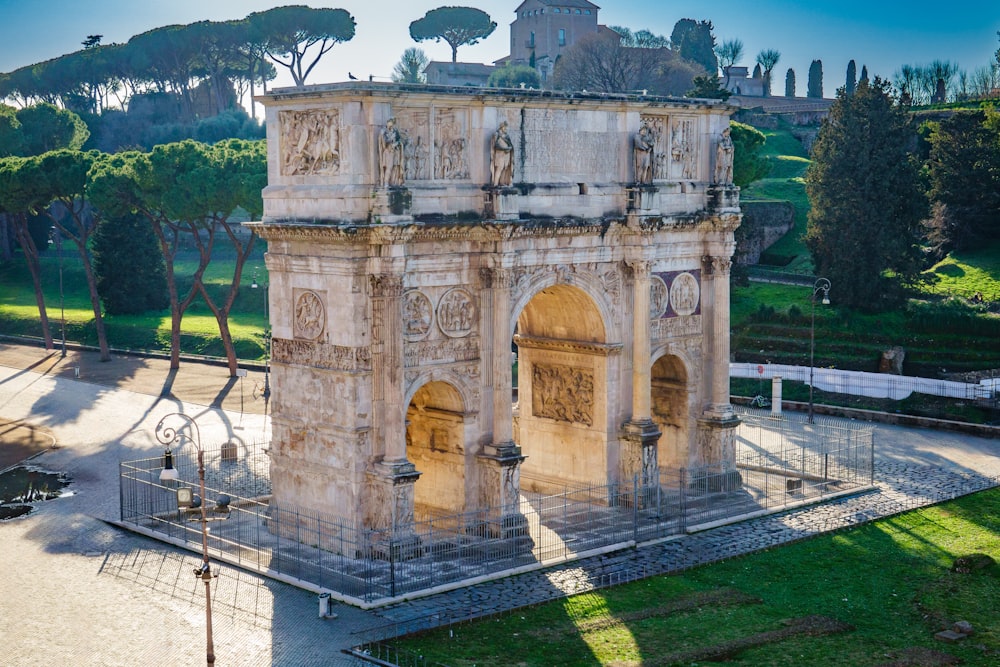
[[500, 486], [389, 515], [642, 199], [502, 203], [717, 444], [639, 460], [391, 204]]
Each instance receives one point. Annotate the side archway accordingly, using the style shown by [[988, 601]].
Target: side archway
[[670, 394], [436, 444]]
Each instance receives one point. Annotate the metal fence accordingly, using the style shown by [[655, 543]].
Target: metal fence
[[779, 462]]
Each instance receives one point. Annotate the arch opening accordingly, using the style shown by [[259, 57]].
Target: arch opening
[[560, 419], [670, 407], [435, 444]]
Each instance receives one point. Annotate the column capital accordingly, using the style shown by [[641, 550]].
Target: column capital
[[717, 265], [386, 285], [638, 268], [493, 277]]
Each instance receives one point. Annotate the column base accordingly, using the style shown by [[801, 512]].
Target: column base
[[717, 452], [500, 488]]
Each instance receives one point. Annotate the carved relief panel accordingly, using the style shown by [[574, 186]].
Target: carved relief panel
[[563, 393], [683, 149], [414, 130], [679, 296], [418, 314], [309, 321], [658, 126], [309, 142], [456, 313], [451, 144]]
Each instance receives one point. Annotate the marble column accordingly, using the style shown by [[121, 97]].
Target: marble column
[[391, 476], [500, 460], [717, 425], [640, 435]]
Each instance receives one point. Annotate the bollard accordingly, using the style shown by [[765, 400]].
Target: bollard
[[324, 606], [776, 395]]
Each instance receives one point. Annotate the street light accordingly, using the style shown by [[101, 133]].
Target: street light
[[169, 436], [54, 233], [821, 285], [267, 341]]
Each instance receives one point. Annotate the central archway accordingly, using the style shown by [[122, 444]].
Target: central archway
[[561, 418]]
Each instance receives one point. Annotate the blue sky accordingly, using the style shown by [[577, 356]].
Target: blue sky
[[882, 35]]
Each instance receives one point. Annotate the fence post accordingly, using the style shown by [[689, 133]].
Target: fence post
[[635, 508], [682, 499]]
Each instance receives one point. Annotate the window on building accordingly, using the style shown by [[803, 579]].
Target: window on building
[[531, 40], [578, 11], [562, 37], [586, 11], [557, 10]]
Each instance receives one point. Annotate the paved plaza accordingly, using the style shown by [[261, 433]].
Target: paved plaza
[[79, 591]]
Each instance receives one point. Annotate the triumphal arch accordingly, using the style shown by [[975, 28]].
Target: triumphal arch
[[418, 236]]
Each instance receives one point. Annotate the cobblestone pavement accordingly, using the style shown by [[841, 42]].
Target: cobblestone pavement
[[78, 591]]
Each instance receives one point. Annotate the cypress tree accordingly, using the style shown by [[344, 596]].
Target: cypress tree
[[852, 78], [790, 83], [815, 86], [866, 199], [128, 265]]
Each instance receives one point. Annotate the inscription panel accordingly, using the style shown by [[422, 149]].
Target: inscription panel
[[550, 136]]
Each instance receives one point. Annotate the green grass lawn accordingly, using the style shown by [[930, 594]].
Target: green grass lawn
[[200, 332], [886, 588]]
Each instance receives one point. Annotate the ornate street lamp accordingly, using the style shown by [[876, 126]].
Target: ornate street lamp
[[174, 436], [821, 285], [56, 234], [267, 341]]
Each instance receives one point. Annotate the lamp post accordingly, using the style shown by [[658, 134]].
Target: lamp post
[[169, 435], [267, 341], [57, 235], [821, 285]]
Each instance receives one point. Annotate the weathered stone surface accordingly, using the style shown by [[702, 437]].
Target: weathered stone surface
[[405, 255], [949, 636]]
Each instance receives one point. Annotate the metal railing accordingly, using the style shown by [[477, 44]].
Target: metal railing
[[779, 462]]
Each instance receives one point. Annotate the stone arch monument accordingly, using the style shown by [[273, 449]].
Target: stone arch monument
[[415, 233]]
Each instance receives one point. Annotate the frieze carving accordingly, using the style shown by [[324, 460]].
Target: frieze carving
[[611, 281], [456, 313], [386, 285], [659, 297], [310, 142], [684, 294], [318, 355], [429, 352], [450, 145], [563, 393], [666, 328], [418, 314], [310, 315]]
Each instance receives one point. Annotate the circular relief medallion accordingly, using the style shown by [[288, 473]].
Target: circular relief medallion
[[417, 315], [456, 313], [310, 316], [659, 297], [684, 294]]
